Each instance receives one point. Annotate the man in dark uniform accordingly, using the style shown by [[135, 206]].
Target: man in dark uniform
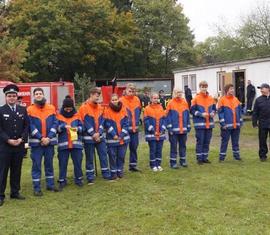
[[188, 95], [261, 119], [162, 99], [251, 92], [241, 92], [145, 98], [13, 134]]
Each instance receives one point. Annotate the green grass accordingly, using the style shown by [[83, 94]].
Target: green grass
[[228, 198]]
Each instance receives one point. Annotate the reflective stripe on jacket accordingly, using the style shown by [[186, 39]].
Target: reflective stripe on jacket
[[93, 122], [64, 140], [43, 123], [133, 106], [203, 103], [178, 121], [116, 124], [154, 122], [230, 112]]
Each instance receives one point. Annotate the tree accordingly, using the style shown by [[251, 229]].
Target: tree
[[250, 39], [165, 38], [83, 84], [255, 30], [220, 48], [12, 53], [65, 36], [122, 5]]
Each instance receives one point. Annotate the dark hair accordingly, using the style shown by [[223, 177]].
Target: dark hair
[[38, 89], [227, 87], [94, 90], [68, 103], [68, 97]]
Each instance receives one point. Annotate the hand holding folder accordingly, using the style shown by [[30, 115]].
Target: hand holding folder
[[73, 133]]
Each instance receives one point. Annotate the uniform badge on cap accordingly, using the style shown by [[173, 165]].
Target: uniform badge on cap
[[11, 88]]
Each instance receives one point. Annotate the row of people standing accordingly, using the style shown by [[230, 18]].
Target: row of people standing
[[89, 126], [120, 121], [176, 120], [203, 110], [68, 129]]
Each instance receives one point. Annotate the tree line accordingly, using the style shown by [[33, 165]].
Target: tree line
[[43, 40]]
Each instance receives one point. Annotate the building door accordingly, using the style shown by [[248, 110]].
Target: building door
[[239, 85], [223, 79]]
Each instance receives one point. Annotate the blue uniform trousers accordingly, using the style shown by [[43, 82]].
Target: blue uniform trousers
[[225, 137], [155, 152], [103, 159], [63, 157], [203, 139], [36, 155], [133, 145], [117, 159], [181, 140]]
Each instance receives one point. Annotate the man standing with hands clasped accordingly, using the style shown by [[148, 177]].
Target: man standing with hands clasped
[[261, 119], [13, 134], [133, 106], [203, 109], [43, 126], [91, 113]]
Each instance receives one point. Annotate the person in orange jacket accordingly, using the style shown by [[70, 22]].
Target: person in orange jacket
[[117, 136], [42, 139], [178, 125], [133, 106], [91, 113], [230, 118], [203, 109], [155, 127], [69, 120]]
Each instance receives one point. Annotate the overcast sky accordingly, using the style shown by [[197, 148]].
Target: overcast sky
[[204, 14]]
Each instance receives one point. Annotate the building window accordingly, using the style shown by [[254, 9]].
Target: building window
[[190, 81], [193, 82], [185, 80], [220, 81]]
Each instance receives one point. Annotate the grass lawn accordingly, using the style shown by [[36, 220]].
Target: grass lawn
[[228, 198]]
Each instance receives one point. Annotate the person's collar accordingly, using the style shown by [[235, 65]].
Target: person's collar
[[40, 106], [203, 94], [91, 103], [266, 95], [130, 97], [12, 106], [229, 96]]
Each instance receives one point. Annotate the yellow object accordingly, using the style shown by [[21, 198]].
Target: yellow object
[[73, 134]]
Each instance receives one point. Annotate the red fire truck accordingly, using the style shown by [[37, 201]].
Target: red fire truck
[[55, 92]]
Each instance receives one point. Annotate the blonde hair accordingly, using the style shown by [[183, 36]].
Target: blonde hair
[[175, 90], [203, 83], [130, 86], [153, 94], [113, 95]]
